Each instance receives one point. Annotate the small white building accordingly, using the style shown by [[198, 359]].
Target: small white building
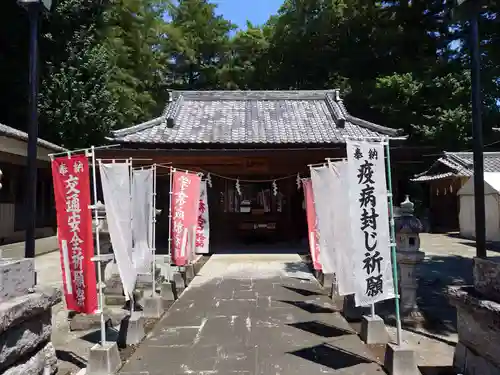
[[492, 207]]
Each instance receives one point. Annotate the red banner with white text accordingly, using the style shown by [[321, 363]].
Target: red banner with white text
[[71, 179], [185, 205], [312, 223]]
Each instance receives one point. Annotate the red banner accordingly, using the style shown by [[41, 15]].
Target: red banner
[[185, 204], [312, 223], [74, 228]]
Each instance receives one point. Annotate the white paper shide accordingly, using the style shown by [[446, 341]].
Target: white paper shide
[[369, 223]]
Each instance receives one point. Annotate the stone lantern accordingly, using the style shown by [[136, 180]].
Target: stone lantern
[[408, 229]]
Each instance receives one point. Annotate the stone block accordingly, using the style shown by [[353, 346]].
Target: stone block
[[17, 277], [168, 291], [400, 360], [351, 312], [466, 362], [104, 359], [131, 329], [328, 281], [153, 307], [119, 299], [338, 301], [478, 322], [373, 330], [487, 278], [44, 362], [22, 308], [198, 266], [477, 330], [113, 285], [179, 282], [145, 280], [84, 322], [24, 338], [189, 273]]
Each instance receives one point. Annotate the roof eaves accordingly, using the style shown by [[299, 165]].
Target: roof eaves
[[432, 177], [252, 95], [18, 134], [120, 133], [375, 127]]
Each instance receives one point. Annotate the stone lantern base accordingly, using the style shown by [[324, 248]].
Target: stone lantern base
[[408, 284]]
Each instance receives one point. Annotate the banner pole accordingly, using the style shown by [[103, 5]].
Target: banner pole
[[169, 254], [131, 220], [153, 232], [98, 251], [393, 244]]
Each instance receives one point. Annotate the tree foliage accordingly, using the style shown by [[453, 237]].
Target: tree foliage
[[109, 63]]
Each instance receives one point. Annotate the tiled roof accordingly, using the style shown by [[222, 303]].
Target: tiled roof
[[433, 177], [459, 164], [18, 134], [252, 117]]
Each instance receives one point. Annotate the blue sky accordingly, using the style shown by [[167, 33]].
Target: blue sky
[[239, 11]]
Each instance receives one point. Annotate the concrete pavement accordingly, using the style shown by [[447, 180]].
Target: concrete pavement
[[252, 315]]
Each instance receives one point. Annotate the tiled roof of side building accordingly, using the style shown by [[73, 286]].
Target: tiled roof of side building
[[18, 134], [460, 164], [252, 117]]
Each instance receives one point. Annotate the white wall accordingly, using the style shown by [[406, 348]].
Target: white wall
[[18, 147]]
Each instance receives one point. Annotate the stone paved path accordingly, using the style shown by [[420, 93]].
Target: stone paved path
[[252, 315]]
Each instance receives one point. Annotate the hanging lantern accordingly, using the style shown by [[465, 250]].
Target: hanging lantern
[[209, 180], [298, 181], [451, 189], [238, 187], [444, 192], [437, 191], [275, 188]]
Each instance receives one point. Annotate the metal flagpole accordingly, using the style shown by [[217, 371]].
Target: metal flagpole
[[131, 176], [169, 252], [153, 231], [98, 250], [393, 244]]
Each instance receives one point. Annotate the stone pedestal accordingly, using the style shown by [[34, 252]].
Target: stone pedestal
[[351, 312], [153, 307], [189, 273], [373, 330], [17, 277], [145, 280], [168, 291], [478, 321], [104, 359], [408, 284], [328, 282], [26, 325], [400, 360], [131, 329], [179, 282]]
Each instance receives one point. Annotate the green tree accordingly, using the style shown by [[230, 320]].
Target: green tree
[[77, 107], [198, 44], [133, 38]]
